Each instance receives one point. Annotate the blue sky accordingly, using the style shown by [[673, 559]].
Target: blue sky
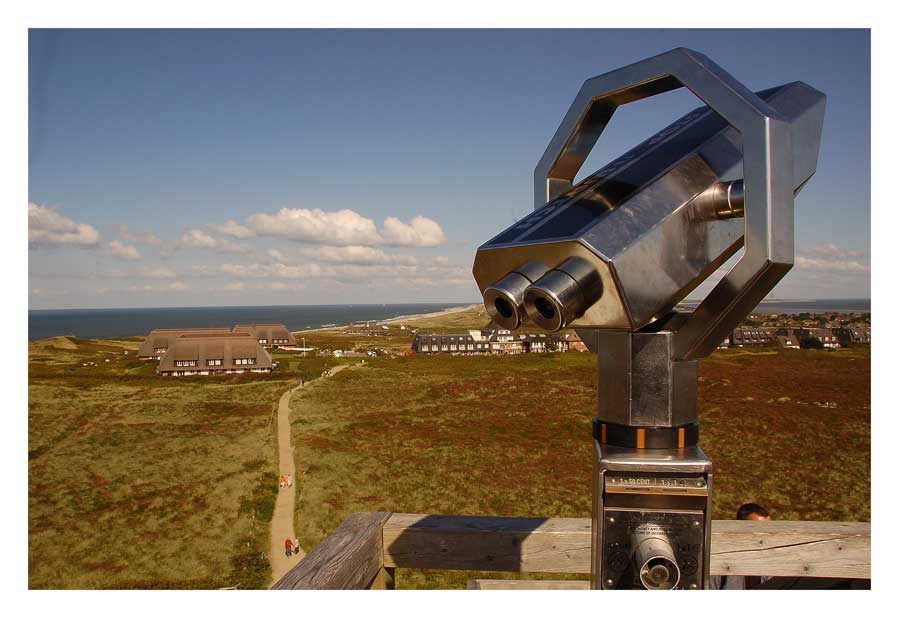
[[366, 166]]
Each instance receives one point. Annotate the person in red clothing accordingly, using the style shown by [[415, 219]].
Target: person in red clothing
[[288, 547]]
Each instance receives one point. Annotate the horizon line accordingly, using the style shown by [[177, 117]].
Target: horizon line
[[688, 300]]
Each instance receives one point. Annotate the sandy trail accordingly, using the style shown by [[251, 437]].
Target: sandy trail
[[282, 519]]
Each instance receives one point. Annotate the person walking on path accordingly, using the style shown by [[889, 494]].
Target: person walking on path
[[288, 547], [296, 546], [282, 481], [290, 480]]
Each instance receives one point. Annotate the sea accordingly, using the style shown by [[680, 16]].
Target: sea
[[113, 323]]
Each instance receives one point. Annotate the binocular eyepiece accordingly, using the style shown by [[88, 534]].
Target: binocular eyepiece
[[551, 298]]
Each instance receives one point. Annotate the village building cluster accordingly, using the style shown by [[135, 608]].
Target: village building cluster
[[494, 340], [213, 351], [828, 338]]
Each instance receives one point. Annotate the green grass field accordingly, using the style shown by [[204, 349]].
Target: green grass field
[[137, 481], [510, 436]]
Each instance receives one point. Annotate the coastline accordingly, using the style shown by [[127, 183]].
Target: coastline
[[126, 323], [96, 324], [399, 318]]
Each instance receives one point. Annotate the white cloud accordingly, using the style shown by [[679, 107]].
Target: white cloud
[[47, 293], [48, 227], [433, 274], [356, 254], [420, 232], [232, 228], [278, 286], [226, 246], [345, 228], [282, 271], [828, 251], [417, 282], [145, 238], [280, 256], [198, 239], [832, 266], [123, 251], [175, 286], [342, 227], [145, 272], [157, 273]]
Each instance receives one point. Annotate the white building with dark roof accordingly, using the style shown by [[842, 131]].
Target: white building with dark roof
[[450, 344]]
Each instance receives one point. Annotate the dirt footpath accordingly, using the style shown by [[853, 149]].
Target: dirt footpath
[[282, 519]]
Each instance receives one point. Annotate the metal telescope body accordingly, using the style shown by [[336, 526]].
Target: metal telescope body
[[613, 255]]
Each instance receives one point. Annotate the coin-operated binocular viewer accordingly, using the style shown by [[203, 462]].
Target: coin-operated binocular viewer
[[613, 255]]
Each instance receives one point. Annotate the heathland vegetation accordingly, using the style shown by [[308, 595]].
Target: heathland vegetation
[[141, 481], [510, 436], [137, 481]]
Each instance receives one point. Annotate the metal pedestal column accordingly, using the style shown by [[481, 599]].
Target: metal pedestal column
[[652, 484]]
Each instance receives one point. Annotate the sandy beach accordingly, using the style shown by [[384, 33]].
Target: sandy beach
[[399, 318]]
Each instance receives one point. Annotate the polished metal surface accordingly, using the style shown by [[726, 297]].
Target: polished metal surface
[[655, 560], [651, 508], [640, 383], [665, 485], [690, 460], [633, 215], [562, 295], [723, 200], [619, 250], [504, 300]]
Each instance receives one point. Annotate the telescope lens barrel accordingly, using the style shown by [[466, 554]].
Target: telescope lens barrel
[[504, 300], [563, 294], [655, 562]]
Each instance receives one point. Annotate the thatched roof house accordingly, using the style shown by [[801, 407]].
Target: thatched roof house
[[268, 335], [160, 339], [214, 353]]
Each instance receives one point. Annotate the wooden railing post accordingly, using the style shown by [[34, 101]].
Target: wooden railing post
[[350, 558]]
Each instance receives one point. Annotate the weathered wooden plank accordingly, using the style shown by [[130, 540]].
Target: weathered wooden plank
[[348, 559], [792, 548], [526, 584], [557, 545], [562, 545], [385, 579]]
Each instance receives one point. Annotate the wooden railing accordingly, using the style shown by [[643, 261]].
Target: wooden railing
[[367, 547]]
